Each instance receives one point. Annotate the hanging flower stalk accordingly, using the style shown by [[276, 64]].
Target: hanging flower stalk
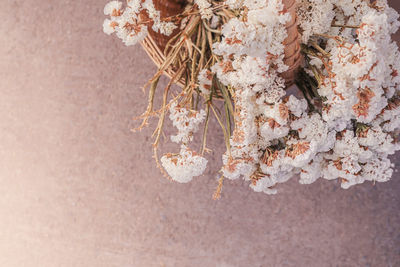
[[242, 55]]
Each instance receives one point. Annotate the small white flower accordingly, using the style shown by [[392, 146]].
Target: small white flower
[[109, 26], [205, 81], [113, 8], [205, 8]]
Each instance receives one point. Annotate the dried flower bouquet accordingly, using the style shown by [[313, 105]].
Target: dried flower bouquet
[[245, 53]]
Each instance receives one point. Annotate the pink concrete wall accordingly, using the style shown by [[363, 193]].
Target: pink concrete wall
[[78, 188]]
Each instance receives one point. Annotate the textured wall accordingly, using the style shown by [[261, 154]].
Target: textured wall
[[78, 188]]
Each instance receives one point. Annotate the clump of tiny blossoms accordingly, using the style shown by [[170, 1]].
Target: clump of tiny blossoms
[[130, 24]]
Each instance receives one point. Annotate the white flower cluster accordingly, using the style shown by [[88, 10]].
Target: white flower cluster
[[360, 85], [187, 164], [278, 136], [186, 121], [205, 82], [205, 8], [130, 24], [314, 16], [345, 130], [184, 166]]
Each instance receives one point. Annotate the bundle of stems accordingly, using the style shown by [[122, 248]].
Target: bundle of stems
[[188, 53]]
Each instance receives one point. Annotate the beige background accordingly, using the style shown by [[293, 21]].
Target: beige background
[[77, 188]]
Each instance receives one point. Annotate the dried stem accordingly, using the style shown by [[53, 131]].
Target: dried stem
[[218, 191]]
